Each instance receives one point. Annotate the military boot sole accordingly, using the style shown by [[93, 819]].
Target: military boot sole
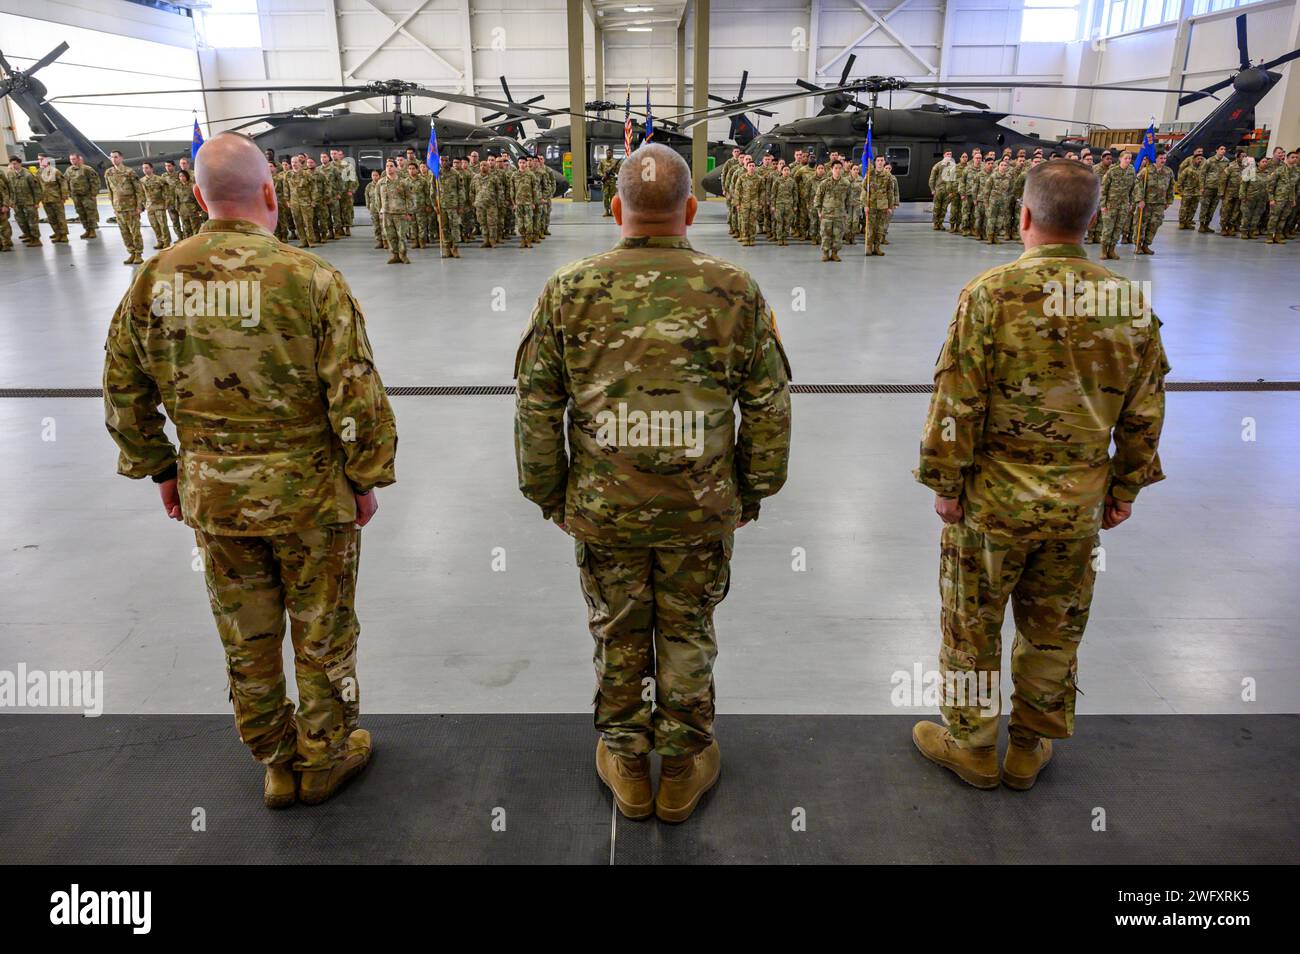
[[961, 771], [675, 816]]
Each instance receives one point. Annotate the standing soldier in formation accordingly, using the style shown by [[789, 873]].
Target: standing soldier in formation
[[302, 201], [785, 199], [607, 169], [1116, 198], [1001, 182], [54, 193], [1020, 171], [832, 204], [190, 211], [1282, 191], [25, 194], [807, 176], [275, 475], [746, 190], [396, 204], [653, 521], [1232, 191], [128, 202], [1211, 184], [6, 202], [348, 184], [965, 179], [173, 206], [1191, 174], [83, 187], [157, 191], [486, 209], [421, 204], [1027, 400], [373, 207], [725, 174], [981, 193], [1103, 167], [1153, 192], [1254, 195], [878, 191], [523, 195], [943, 187], [284, 220]]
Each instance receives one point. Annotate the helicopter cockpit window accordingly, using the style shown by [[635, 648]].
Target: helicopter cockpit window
[[900, 157]]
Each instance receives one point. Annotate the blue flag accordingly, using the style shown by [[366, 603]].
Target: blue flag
[[431, 158], [868, 154], [1148, 151], [649, 119], [198, 140]]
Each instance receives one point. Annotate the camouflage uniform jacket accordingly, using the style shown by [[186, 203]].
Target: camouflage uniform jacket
[[832, 197], [158, 193], [1282, 183], [54, 187], [302, 187], [396, 196], [1024, 404], [279, 420], [648, 347], [83, 181], [1117, 187], [1190, 177], [785, 192], [1154, 185], [124, 189], [1213, 172], [877, 192], [24, 188]]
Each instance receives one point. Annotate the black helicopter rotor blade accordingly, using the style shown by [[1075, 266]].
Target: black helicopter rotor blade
[[47, 59], [506, 88], [959, 100], [1284, 58], [804, 84], [744, 81], [848, 68], [1200, 93], [1241, 42]]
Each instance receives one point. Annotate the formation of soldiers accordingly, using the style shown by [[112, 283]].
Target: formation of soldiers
[[825, 203], [980, 195], [315, 201]]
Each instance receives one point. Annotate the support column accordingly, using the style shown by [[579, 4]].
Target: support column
[[577, 99], [1286, 94], [600, 63], [700, 87], [681, 63]]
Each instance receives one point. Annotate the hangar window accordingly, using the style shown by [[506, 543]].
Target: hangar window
[[1050, 21], [230, 24]]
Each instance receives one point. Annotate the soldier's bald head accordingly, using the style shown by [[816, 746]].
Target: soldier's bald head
[[231, 169], [1061, 197], [654, 185]]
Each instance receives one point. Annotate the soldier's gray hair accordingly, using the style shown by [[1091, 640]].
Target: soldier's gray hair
[[231, 168], [1062, 196], [654, 182]]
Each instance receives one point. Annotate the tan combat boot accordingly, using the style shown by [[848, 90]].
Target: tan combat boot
[[628, 779], [975, 766], [279, 788], [394, 259], [319, 784], [136, 259], [1021, 767], [683, 781]]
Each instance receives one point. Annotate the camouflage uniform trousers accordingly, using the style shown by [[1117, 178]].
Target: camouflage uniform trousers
[[343, 211], [997, 223], [191, 219], [128, 222], [422, 225], [1153, 216], [1279, 216], [832, 234], [397, 229], [55, 215], [967, 214], [877, 225], [447, 237], [747, 221], [469, 223], [29, 221], [177, 225], [980, 221], [1187, 211], [1049, 584], [782, 217], [252, 583], [607, 192], [1230, 213], [1114, 221], [1253, 210], [489, 222], [650, 610], [304, 222], [162, 236], [527, 222], [1013, 218], [943, 201], [87, 208], [1209, 199], [6, 231]]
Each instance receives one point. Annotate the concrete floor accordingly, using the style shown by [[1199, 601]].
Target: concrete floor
[[1199, 591]]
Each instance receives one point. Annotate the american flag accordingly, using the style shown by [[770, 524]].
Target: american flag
[[627, 124]]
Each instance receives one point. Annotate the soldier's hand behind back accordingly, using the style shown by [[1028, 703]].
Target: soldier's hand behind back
[[367, 507], [171, 498], [948, 508], [1116, 512]]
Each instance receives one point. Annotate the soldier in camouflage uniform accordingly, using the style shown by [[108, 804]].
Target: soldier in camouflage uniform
[[25, 198], [831, 200], [942, 187], [421, 204], [983, 182], [785, 199], [649, 348], [1254, 195], [1282, 191], [1116, 198], [54, 193], [1019, 173], [302, 201], [1102, 167], [1028, 394], [191, 212], [1190, 176], [607, 170], [173, 206], [397, 205], [1232, 192], [805, 174], [486, 208], [1211, 184], [280, 179], [128, 200], [284, 434], [157, 194], [348, 184], [725, 172], [6, 203], [877, 198], [1001, 182], [747, 189], [1153, 192], [523, 195], [372, 205]]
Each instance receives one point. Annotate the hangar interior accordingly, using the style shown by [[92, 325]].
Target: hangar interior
[[474, 655]]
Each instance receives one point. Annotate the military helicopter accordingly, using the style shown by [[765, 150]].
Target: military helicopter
[[369, 139], [913, 140]]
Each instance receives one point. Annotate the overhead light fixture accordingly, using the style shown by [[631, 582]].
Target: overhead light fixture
[[640, 29], [637, 9]]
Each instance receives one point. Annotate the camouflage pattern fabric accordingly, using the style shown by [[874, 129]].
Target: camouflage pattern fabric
[[785, 197], [280, 416], [486, 209], [128, 202], [748, 191], [877, 191], [25, 192], [1190, 177], [253, 582], [831, 200], [54, 192], [1154, 185], [649, 347], [1230, 211], [397, 203], [1211, 183], [83, 186], [6, 203], [1254, 201], [607, 171], [1049, 584], [1282, 190], [1025, 402], [650, 611], [157, 194], [1116, 202]]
